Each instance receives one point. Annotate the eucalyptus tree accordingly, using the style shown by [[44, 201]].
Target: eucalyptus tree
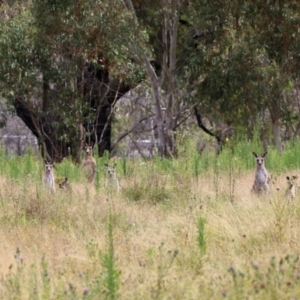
[[277, 28], [160, 18], [63, 69], [242, 59]]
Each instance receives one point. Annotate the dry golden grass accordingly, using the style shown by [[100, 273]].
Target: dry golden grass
[[69, 230]]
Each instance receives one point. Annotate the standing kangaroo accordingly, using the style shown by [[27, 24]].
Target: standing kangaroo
[[112, 179], [48, 176], [261, 180], [88, 165], [291, 191]]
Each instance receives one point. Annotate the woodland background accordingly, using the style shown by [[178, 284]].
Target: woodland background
[[65, 65]]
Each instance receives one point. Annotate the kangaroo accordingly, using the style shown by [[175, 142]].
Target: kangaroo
[[261, 180], [88, 165], [48, 177], [291, 191], [63, 183], [112, 180]]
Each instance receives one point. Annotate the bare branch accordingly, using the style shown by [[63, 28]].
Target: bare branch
[[123, 135], [183, 120], [138, 148], [201, 125]]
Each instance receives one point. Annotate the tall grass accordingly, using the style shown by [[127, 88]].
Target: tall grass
[[88, 244]]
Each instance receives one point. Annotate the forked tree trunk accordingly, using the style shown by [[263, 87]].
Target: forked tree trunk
[[164, 123], [277, 134], [162, 138], [275, 113]]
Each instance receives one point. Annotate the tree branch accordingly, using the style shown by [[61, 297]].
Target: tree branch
[[201, 125], [123, 135], [182, 121]]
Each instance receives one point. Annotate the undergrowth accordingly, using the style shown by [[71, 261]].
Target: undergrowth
[[180, 228]]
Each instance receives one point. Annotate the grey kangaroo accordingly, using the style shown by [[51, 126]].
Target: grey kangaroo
[[261, 180], [48, 176], [291, 191], [112, 179], [89, 165]]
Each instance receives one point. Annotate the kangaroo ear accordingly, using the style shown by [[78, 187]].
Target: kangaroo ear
[[287, 178], [254, 154], [265, 154], [106, 165]]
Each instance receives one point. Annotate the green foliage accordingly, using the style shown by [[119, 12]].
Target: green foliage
[[18, 69], [67, 169], [290, 158], [45, 47], [239, 59]]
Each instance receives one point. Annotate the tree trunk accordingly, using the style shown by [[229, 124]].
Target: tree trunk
[[276, 134], [57, 144], [162, 147], [170, 28], [164, 122]]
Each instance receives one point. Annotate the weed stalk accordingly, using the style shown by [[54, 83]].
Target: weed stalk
[[112, 279], [201, 238]]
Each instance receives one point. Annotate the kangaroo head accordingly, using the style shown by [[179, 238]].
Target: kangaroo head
[[48, 166], [111, 171], [88, 148], [260, 158], [291, 180]]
